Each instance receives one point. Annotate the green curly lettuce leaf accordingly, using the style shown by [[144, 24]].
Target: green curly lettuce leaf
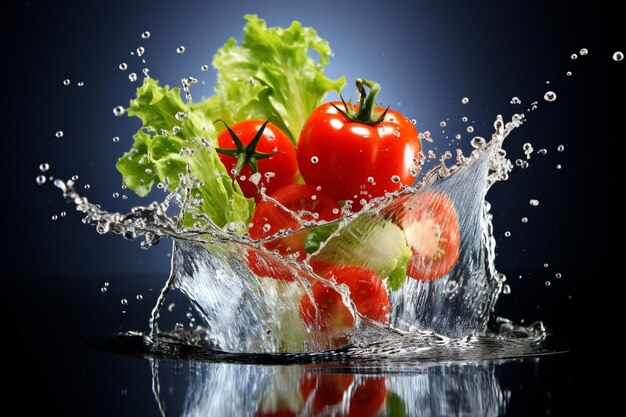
[[175, 137], [271, 74]]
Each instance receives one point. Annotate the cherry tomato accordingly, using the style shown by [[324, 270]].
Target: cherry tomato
[[266, 265], [355, 160], [269, 218], [274, 155], [367, 291], [368, 398], [431, 227]]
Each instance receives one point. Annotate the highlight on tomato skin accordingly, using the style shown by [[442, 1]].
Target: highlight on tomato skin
[[269, 218], [367, 292], [431, 228]]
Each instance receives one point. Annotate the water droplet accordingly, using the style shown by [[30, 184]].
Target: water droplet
[[470, 129], [74, 177], [465, 100], [547, 283], [524, 219], [370, 179], [81, 83], [103, 289], [545, 265], [116, 139], [205, 67], [145, 35], [132, 77], [87, 186], [395, 178], [442, 124], [618, 56], [574, 56], [119, 111], [414, 121], [180, 49], [267, 227], [43, 167], [534, 202], [568, 73], [464, 119], [477, 142], [63, 214], [506, 289], [542, 151], [67, 80], [180, 116], [560, 148], [507, 234], [584, 51], [140, 51], [123, 66], [314, 159], [516, 100], [549, 96], [54, 217], [116, 195], [558, 166], [59, 134], [139, 297], [527, 147], [457, 136], [557, 275], [145, 72], [335, 211], [124, 301], [40, 179]]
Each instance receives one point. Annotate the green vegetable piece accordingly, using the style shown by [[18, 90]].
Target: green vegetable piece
[[271, 73], [395, 405], [168, 143], [370, 242], [317, 235]]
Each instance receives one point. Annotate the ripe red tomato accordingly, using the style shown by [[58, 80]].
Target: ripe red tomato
[[367, 291], [355, 160], [266, 265], [431, 227], [272, 154], [368, 398], [269, 218], [277, 413]]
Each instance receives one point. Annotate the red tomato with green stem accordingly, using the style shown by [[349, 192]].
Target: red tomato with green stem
[[356, 152], [367, 292], [257, 146], [296, 200], [431, 228]]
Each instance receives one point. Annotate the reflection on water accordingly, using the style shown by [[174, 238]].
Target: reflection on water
[[230, 389]]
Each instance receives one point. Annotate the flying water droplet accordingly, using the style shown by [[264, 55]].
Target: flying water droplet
[[40, 179], [395, 178], [442, 124], [557, 275], [507, 234], [549, 96], [568, 73], [180, 49], [506, 289], [87, 186], [560, 148], [43, 167], [81, 83], [516, 100], [118, 111], [140, 51], [132, 77], [124, 301], [139, 297], [477, 142], [542, 151], [534, 202], [558, 166], [574, 56], [204, 67], [145, 35], [618, 56], [470, 129], [583, 51], [548, 283], [465, 100], [54, 217], [524, 219], [67, 80], [314, 159], [116, 139], [59, 134], [103, 289]]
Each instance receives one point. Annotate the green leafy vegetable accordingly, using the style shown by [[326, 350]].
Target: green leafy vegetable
[[271, 73], [175, 136], [369, 242], [395, 405]]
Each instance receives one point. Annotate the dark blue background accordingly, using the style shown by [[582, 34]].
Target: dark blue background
[[427, 56]]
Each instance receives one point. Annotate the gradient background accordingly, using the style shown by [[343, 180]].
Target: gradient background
[[426, 55]]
